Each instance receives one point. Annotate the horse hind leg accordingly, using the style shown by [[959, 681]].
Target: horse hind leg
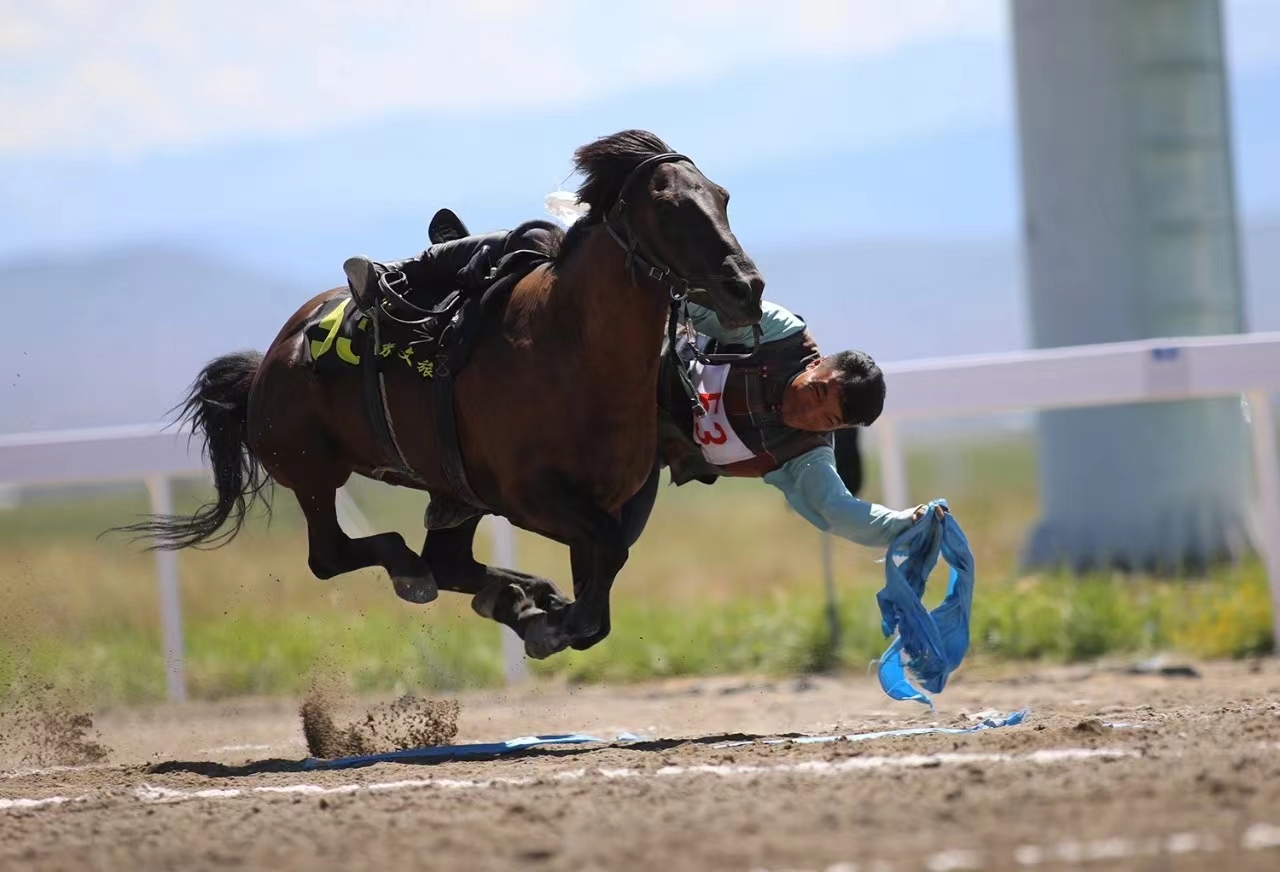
[[503, 595], [289, 419], [332, 552]]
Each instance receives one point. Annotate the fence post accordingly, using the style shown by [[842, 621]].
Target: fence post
[[1267, 472], [514, 668], [350, 518], [893, 465], [161, 494], [828, 579]]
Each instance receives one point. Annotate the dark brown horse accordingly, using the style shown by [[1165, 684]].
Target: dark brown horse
[[556, 408]]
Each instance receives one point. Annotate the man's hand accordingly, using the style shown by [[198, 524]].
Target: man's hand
[[920, 510]]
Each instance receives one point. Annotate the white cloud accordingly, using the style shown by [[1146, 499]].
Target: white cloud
[[129, 76]]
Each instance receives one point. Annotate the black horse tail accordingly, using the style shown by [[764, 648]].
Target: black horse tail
[[218, 408]]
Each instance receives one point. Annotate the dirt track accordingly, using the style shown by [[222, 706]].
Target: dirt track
[[1191, 782]]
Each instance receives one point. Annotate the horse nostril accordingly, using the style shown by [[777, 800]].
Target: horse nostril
[[757, 287]]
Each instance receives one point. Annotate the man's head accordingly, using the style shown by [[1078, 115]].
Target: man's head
[[839, 390]]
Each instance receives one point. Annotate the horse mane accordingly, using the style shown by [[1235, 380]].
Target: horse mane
[[604, 165]]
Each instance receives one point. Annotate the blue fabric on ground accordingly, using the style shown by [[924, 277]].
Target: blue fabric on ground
[[933, 644], [1009, 720], [492, 750], [478, 750]]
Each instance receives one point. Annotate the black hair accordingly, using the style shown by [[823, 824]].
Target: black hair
[[861, 386]]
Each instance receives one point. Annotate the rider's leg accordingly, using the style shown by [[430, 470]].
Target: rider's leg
[[436, 267]]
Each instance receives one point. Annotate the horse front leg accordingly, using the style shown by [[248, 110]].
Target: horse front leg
[[602, 560], [595, 560], [595, 563], [595, 567]]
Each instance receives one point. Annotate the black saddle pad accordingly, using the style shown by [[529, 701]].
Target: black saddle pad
[[339, 335]]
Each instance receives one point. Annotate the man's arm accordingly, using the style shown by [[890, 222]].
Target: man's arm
[[814, 488], [704, 320], [775, 323]]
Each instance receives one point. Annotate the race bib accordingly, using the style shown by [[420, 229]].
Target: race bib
[[720, 445]]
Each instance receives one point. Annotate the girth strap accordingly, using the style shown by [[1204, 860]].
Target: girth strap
[[377, 407], [458, 333]]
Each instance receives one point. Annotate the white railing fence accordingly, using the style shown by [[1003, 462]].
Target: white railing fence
[[1094, 375]]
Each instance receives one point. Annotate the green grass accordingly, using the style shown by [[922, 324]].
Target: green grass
[[725, 580]]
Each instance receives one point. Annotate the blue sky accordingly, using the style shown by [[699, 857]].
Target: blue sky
[[294, 133]]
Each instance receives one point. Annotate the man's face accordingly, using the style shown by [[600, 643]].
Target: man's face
[[812, 400]]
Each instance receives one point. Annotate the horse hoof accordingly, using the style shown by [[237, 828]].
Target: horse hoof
[[539, 651], [582, 643], [541, 640], [419, 589]]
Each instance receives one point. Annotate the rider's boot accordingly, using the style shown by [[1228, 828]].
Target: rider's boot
[[446, 226], [363, 275]]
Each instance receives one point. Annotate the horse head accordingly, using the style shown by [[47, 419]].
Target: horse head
[[672, 221]]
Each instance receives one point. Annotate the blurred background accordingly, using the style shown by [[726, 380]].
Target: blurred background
[[177, 177]]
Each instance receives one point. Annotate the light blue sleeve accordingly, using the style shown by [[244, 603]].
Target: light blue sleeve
[[813, 487], [776, 323], [704, 320]]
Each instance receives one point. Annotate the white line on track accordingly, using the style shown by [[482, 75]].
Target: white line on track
[[50, 770], [228, 748], [152, 793], [1258, 837], [34, 803]]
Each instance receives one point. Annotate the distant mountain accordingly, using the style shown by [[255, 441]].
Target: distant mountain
[[115, 337]]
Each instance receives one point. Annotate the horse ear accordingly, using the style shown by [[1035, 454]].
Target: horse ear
[[848, 458]]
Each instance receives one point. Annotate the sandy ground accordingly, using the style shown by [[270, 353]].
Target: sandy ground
[[1110, 771]]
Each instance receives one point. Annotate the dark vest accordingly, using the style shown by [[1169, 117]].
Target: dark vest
[[753, 404]]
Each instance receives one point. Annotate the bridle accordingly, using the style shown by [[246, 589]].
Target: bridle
[[638, 254], [640, 258]]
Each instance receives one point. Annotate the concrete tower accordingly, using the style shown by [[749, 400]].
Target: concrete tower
[[1130, 234]]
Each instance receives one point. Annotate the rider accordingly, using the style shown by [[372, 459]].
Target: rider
[[773, 416]]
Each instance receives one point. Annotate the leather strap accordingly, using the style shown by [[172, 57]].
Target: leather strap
[[376, 405], [444, 413]]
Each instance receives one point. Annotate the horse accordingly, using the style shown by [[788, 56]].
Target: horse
[[556, 407]]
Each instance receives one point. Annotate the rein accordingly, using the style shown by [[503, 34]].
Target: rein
[[639, 255]]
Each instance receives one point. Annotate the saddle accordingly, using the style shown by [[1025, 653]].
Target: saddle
[[434, 329]]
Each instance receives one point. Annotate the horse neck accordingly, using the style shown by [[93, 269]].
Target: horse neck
[[619, 319]]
